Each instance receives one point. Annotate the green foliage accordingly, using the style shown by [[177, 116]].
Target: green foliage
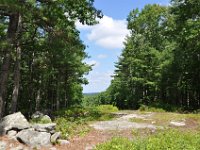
[[107, 109], [96, 99], [70, 128], [90, 101], [41, 120], [160, 61], [151, 109], [170, 139], [51, 58]]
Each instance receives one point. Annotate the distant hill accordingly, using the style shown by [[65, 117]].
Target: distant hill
[[90, 94]]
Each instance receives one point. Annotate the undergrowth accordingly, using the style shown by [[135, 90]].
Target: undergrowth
[[164, 140]]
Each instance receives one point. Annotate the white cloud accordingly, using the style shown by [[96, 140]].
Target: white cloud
[[93, 62], [98, 81], [80, 26], [109, 33], [102, 56]]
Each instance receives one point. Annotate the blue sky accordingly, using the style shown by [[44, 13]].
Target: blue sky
[[105, 40]]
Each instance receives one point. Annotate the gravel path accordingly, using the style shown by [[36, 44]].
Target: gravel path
[[120, 125], [123, 123]]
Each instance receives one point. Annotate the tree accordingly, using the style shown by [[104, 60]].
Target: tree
[[37, 29], [160, 61], [138, 71], [186, 54]]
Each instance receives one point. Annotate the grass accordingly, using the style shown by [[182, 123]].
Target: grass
[[164, 118], [167, 138], [71, 128], [164, 140]]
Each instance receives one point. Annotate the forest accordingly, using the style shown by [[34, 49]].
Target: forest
[[41, 56], [160, 64]]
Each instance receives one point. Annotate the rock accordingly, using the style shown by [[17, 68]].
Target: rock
[[40, 117], [44, 127], [3, 145], [53, 131], [37, 114], [63, 142], [55, 137], [11, 133], [177, 124], [15, 121], [34, 138]]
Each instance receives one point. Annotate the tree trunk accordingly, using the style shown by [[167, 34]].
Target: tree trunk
[[11, 36], [58, 98], [38, 99], [16, 83], [17, 70]]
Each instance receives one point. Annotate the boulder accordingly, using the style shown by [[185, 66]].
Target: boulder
[[15, 121], [34, 138], [55, 137], [49, 127]]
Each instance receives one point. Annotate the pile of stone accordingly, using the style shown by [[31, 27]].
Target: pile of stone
[[17, 127]]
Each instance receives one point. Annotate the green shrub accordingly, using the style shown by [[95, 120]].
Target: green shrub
[[41, 120], [69, 128], [151, 108], [107, 108], [165, 140]]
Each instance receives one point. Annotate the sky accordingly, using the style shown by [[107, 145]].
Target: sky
[[104, 41]]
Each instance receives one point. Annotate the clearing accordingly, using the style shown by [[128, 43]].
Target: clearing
[[130, 124]]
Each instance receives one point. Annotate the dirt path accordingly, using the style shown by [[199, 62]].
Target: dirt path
[[93, 138]]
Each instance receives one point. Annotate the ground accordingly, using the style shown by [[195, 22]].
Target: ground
[[130, 124]]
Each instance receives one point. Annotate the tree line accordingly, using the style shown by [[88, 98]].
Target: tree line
[[161, 59], [41, 54]]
